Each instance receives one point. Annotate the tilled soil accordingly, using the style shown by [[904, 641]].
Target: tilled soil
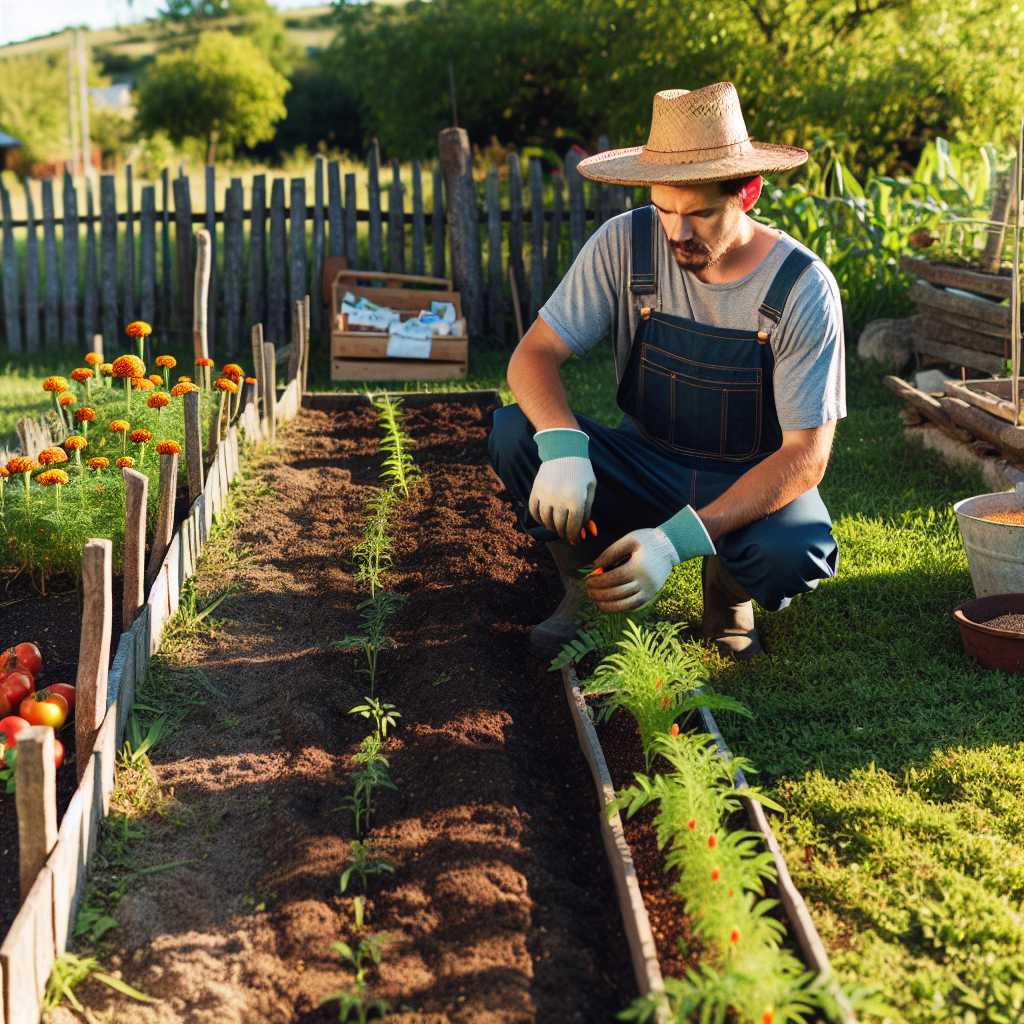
[[501, 907]]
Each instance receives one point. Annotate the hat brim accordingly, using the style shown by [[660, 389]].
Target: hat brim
[[627, 166]]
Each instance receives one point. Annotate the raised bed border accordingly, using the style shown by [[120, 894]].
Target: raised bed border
[[42, 927]]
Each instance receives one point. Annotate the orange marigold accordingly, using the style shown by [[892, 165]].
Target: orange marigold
[[107, 369], [93, 358], [66, 399], [233, 370], [125, 462], [155, 379], [184, 378], [251, 380], [225, 384], [143, 383], [52, 476], [158, 400], [168, 448], [55, 383], [98, 462], [120, 426], [75, 442], [52, 456], [169, 361], [204, 361], [183, 388], [4, 472], [128, 366], [81, 374], [141, 436], [138, 329], [85, 413], [21, 464]]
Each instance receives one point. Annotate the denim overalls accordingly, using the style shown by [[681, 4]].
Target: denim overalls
[[699, 412]]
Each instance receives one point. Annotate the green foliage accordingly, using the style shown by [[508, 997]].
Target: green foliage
[[373, 552], [363, 864], [372, 774], [356, 1003], [399, 470], [70, 971], [384, 715], [377, 612], [223, 90]]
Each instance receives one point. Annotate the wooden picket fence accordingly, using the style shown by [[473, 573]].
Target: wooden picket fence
[[114, 265]]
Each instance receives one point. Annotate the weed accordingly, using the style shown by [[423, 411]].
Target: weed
[[70, 971]]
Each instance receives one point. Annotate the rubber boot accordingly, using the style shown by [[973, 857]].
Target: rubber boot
[[550, 636], [728, 612]]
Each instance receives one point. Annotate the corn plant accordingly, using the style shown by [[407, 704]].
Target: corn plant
[[377, 612], [384, 715], [399, 468], [372, 775], [363, 864]]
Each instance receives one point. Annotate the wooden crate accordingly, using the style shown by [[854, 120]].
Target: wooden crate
[[360, 354]]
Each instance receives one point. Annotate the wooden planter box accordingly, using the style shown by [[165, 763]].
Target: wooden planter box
[[362, 354]]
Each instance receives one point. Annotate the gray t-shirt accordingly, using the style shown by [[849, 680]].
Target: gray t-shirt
[[809, 382]]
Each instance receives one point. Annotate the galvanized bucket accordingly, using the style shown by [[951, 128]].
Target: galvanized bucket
[[995, 551]]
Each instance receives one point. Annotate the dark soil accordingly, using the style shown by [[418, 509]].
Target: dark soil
[[53, 624], [1010, 621], [501, 907], [1012, 518]]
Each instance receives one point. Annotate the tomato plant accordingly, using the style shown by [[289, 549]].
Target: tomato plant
[[9, 729], [44, 708], [67, 691]]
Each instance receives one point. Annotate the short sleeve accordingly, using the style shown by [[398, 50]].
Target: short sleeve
[[583, 306], [809, 351]]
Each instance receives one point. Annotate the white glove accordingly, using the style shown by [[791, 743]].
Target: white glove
[[563, 489]]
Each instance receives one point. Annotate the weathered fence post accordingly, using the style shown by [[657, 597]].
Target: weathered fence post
[[234, 240], [35, 797], [93, 649], [437, 225], [373, 193], [992, 256], [536, 238], [515, 228], [136, 489], [396, 221], [256, 340], [257, 260], [166, 290], [90, 301], [147, 254], [51, 304], [270, 388], [577, 212], [193, 446], [129, 246], [70, 281], [183, 251], [297, 241], [335, 211], [201, 286], [210, 213], [276, 264], [351, 224], [457, 164], [165, 515], [305, 344], [295, 354], [31, 274], [495, 287], [108, 258], [419, 222], [97, 345], [316, 269], [12, 324]]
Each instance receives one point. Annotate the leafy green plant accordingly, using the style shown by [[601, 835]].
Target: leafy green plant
[[363, 864], [377, 611], [70, 971], [399, 468], [373, 774], [355, 1003], [384, 715], [372, 554], [92, 923]]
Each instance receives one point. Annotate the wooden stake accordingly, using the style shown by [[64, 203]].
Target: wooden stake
[[200, 342], [256, 338], [93, 648], [36, 801], [270, 388], [97, 346], [295, 356], [165, 516], [305, 347], [193, 446], [136, 489]]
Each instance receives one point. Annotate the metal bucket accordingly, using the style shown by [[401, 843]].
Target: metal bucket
[[995, 551]]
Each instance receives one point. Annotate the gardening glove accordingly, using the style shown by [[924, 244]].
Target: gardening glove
[[563, 490], [651, 555]]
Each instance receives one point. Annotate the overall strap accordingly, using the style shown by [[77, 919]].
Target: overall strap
[[782, 284], [642, 280]]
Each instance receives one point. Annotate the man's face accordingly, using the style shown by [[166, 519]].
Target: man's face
[[701, 223]]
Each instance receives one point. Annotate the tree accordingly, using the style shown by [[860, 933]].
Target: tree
[[223, 91]]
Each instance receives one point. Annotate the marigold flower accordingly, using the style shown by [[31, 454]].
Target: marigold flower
[[184, 379], [98, 462], [675, 728], [75, 442], [52, 476], [169, 361], [138, 329], [66, 400], [712, 840], [251, 380], [204, 361], [715, 874], [52, 456], [4, 472], [81, 374], [692, 823], [120, 426], [93, 358], [125, 462], [183, 388], [226, 384], [128, 366], [21, 464], [55, 383], [85, 414], [155, 379], [107, 369], [141, 436], [142, 383], [734, 936], [158, 400], [168, 448], [233, 370]]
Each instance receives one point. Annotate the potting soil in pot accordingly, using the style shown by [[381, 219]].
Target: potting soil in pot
[[1012, 622], [1014, 518]]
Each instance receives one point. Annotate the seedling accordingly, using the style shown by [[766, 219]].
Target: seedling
[[372, 554], [399, 468], [355, 1003], [70, 970], [376, 611], [441, 678], [383, 715], [362, 865], [371, 776]]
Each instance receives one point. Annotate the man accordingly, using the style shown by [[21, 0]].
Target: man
[[728, 342]]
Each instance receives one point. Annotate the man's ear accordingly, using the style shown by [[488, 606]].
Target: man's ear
[[751, 192]]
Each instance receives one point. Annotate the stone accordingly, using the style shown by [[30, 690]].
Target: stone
[[887, 341]]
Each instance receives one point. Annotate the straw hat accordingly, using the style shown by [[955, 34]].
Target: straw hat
[[695, 137]]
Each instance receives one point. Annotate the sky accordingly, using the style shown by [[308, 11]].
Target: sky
[[23, 19]]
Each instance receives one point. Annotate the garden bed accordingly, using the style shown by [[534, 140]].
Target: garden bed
[[501, 905]]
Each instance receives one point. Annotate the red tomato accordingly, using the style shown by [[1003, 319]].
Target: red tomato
[[67, 691], [9, 729], [44, 708], [16, 686], [28, 658], [58, 751]]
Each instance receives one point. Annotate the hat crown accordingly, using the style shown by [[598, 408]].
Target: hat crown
[[704, 119]]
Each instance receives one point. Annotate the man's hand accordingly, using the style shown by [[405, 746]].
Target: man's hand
[[651, 555], [563, 490]]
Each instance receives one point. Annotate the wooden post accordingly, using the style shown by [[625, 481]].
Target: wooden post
[[129, 246], [295, 357], [166, 289], [51, 284], [373, 192], [90, 303], [256, 340], [183, 251], [306, 306], [70, 246], [97, 345], [108, 259], [136, 490], [515, 228], [297, 242], [12, 323], [210, 214], [419, 222], [234, 241], [35, 797], [536, 238], [576, 208], [437, 225], [165, 516], [992, 256], [276, 265], [93, 649], [270, 388], [31, 274], [351, 223], [316, 270], [147, 255], [396, 221], [335, 224], [257, 261], [457, 164], [201, 293], [193, 445], [495, 286]]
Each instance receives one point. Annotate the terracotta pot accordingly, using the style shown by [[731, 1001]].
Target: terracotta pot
[[994, 648]]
